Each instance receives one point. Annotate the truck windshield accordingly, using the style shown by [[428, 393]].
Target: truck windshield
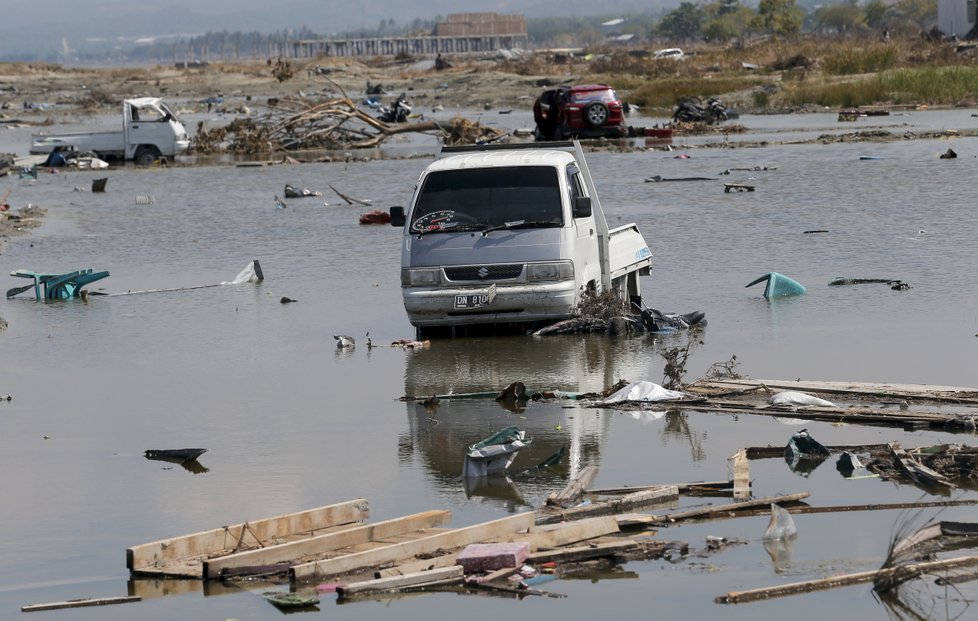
[[482, 198]]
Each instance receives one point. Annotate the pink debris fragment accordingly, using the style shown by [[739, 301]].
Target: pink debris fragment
[[492, 556]]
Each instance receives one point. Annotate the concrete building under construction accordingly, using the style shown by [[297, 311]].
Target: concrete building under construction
[[460, 33]]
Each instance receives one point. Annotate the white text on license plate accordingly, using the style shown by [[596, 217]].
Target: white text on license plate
[[477, 299]]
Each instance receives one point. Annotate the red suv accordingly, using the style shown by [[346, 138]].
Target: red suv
[[586, 111]]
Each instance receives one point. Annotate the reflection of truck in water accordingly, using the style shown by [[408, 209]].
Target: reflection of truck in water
[[511, 234], [149, 130], [589, 363]]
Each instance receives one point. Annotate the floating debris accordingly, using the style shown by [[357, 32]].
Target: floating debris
[[778, 285], [495, 453], [344, 342]]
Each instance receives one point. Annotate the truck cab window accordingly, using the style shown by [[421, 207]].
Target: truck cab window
[[488, 197], [575, 187]]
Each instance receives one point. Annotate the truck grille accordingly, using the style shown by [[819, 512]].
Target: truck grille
[[484, 272]]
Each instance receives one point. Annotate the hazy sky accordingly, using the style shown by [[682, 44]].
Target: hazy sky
[[29, 27]]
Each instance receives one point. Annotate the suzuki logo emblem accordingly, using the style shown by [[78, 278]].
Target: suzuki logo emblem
[[483, 272]]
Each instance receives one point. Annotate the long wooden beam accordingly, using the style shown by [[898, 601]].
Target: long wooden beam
[[718, 510], [329, 542], [954, 394], [622, 504], [402, 551], [156, 554], [901, 571], [393, 583], [80, 603]]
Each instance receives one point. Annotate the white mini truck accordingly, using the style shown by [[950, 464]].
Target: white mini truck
[[511, 235], [149, 130]]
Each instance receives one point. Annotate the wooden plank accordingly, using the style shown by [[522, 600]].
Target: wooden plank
[[870, 389], [407, 580], [321, 544], [918, 472], [716, 511], [556, 535], [741, 470], [575, 489], [425, 545], [807, 586], [656, 495], [777, 452], [806, 509], [582, 553], [499, 574], [446, 560], [682, 487], [946, 421], [155, 555], [80, 603]]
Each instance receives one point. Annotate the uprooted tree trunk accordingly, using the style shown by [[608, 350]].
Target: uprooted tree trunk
[[297, 123]]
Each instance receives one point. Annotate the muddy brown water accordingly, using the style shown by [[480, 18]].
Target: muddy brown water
[[292, 423]]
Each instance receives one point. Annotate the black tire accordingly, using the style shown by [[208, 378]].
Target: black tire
[[596, 114], [145, 156]]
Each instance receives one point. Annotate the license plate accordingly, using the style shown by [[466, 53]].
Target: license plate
[[479, 299]]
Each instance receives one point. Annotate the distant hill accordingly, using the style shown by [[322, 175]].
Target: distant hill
[[50, 32]]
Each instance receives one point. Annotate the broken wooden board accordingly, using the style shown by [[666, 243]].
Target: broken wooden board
[[901, 572], [183, 556], [444, 575], [918, 473], [694, 488], [741, 470], [557, 535], [925, 392], [409, 567], [582, 553], [771, 452], [80, 603], [322, 544], [651, 496], [727, 510], [853, 415], [575, 489], [402, 551]]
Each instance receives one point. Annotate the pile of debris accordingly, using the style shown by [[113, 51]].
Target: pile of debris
[[297, 123]]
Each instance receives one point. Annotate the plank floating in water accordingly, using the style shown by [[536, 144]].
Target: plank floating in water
[[954, 394], [81, 603], [182, 556]]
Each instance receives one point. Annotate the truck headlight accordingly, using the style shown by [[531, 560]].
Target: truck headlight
[[421, 277], [561, 270]]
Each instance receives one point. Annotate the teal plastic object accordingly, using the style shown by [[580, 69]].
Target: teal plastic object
[[56, 286], [778, 285]]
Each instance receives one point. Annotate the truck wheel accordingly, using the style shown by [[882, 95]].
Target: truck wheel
[[145, 156], [596, 114]]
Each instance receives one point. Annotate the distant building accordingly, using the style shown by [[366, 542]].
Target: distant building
[[460, 33], [955, 17], [480, 25]]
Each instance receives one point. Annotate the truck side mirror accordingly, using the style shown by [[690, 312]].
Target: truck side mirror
[[397, 216], [582, 207]]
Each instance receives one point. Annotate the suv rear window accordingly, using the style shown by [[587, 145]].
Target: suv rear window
[[604, 96]]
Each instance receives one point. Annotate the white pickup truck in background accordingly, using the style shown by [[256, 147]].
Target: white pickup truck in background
[[511, 234], [149, 130]]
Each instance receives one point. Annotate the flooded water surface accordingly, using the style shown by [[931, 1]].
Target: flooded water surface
[[292, 423]]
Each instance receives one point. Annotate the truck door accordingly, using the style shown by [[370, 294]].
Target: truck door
[[587, 265], [147, 125]]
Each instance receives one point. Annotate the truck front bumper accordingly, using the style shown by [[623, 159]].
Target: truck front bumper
[[523, 303]]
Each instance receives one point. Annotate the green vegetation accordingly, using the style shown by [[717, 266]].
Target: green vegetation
[[666, 93], [853, 59], [936, 85]]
